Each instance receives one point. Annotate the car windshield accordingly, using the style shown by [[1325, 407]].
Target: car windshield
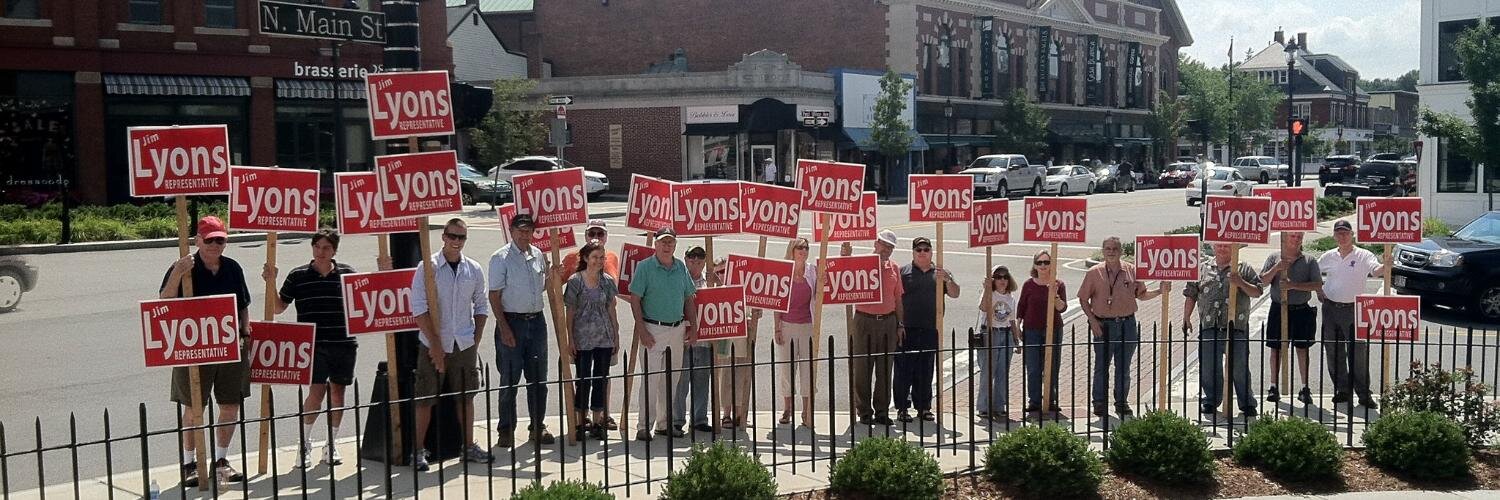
[[1377, 168], [1485, 229], [1220, 175], [1059, 170], [1266, 161], [980, 162], [468, 171]]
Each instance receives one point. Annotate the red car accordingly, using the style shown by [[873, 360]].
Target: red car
[[1177, 175]]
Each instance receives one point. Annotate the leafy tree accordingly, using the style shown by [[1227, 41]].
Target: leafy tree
[[889, 134], [1021, 127], [1240, 115], [514, 125], [1205, 92], [1407, 82], [1253, 111], [1314, 145], [1389, 144], [1167, 122]]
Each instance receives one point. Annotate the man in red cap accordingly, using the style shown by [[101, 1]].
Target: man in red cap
[[226, 384]]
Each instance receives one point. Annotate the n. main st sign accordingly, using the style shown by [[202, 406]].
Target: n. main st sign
[[316, 21]]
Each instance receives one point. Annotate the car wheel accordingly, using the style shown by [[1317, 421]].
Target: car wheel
[[1265, 178], [1190, 202], [468, 198], [1487, 305], [1036, 188], [1091, 189], [1062, 190], [10, 290], [1002, 191]]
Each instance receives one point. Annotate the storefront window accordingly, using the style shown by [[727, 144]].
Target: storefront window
[[712, 157], [145, 11], [305, 136], [1455, 172], [219, 14]]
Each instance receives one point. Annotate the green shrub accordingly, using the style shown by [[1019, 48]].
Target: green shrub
[[98, 229], [155, 228], [1331, 207], [1045, 461], [1161, 446], [1456, 395], [1327, 243], [1435, 227], [13, 212], [1425, 445], [720, 471], [563, 490], [881, 467], [1194, 229], [28, 231], [1295, 448]]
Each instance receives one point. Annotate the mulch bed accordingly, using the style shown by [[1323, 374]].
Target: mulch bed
[[1232, 480]]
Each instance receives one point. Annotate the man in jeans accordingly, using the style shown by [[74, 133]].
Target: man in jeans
[[518, 280], [1215, 282], [697, 360], [877, 333], [1346, 268], [1108, 297], [664, 321]]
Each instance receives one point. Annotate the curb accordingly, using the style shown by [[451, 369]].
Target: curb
[[107, 246]]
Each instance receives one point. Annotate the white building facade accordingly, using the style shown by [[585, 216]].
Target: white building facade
[[1453, 188]]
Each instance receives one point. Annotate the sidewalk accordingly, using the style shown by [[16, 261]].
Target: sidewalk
[[1392, 495]]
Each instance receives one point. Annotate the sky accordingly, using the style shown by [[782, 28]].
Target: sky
[[1379, 38]]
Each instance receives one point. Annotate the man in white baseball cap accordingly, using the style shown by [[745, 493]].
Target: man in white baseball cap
[[877, 333]]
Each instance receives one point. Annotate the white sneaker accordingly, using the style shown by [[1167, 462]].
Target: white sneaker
[[331, 455], [304, 456]]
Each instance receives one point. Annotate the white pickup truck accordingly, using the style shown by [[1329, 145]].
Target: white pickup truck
[[1000, 175]]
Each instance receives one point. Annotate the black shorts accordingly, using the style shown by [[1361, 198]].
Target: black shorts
[[1302, 326], [334, 362]]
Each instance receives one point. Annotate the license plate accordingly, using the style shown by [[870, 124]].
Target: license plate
[[1347, 194], [1398, 281]]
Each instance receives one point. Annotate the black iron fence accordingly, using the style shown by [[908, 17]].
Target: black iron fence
[[627, 466]]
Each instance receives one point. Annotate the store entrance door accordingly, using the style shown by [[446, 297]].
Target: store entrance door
[[758, 156]]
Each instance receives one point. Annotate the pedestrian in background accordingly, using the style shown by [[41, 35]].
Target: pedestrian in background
[[915, 366], [1033, 312], [1000, 338], [794, 335], [595, 336]]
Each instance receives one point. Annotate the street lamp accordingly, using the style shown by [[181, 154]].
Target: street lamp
[[948, 117], [1291, 153]]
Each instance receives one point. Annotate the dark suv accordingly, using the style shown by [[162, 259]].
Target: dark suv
[[1337, 168], [1461, 270], [1376, 178]]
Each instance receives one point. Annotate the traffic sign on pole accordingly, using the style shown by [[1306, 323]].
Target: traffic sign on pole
[[559, 100]]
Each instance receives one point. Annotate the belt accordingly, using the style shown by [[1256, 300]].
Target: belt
[[1293, 307], [1127, 317], [667, 324], [876, 317], [1331, 303], [523, 316]]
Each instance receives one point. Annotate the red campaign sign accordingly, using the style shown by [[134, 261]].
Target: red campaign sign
[[419, 184], [190, 331], [1167, 258], [853, 279], [1238, 219], [830, 187], [940, 198], [539, 237], [1057, 220], [773, 211], [356, 197], [650, 203], [281, 353], [721, 313], [1292, 208], [178, 160], [554, 198], [709, 209], [378, 302], [273, 199], [767, 282], [630, 256], [858, 227], [1387, 317], [1389, 220], [991, 223], [409, 104]]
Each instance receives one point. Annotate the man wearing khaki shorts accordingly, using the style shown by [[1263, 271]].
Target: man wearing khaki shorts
[[450, 338]]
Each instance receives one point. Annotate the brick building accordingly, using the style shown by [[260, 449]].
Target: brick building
[[1325, 90], [94, 67], [724, 84]]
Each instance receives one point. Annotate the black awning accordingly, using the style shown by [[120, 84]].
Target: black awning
[[712, 129], [769, 115], [167, 85]]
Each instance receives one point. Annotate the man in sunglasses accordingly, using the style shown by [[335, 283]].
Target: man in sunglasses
[[1108, 297], [518, 282], [228, 384], [916, 363], [450, 338]]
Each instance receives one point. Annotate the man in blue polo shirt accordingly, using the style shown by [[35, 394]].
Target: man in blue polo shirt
[[664, 321]]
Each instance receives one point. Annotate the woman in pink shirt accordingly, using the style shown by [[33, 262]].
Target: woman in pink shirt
[[794, 334]]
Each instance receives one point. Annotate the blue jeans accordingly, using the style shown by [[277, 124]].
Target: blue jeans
[[697, 362], [1211, 345], [914, 369], [1118, 344], [528, 358], [994, 370], [1032, 356], [593, 370]]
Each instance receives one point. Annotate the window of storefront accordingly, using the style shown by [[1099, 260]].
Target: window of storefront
[[1448, 33], [220, 14], [304, 135], [22, 9], [121, 112], [716, 157], [145, 11], [1455, 172]]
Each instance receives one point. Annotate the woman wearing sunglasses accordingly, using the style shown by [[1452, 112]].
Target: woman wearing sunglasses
[[1033, 311], [794, 332], [1000, 333]]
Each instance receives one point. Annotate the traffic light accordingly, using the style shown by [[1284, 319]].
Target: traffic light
[[1298, 126]]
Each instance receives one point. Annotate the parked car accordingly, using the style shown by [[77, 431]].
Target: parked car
[[16, 278], [1000, 175], [1262, 168], [1221, 181], [594, 183], [478, 187], [1177, 174], [1068, 179], [1337, 168], [1386, 156], [1459, 270], [1377, 178], [1108, 178]]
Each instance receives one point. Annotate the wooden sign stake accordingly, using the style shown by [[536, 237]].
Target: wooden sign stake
[[1048, 348]]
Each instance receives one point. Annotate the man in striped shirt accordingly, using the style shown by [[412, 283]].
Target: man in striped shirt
[[316, 290]]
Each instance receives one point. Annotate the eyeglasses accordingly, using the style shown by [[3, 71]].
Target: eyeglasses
[[216, 241], [595, 233], [455, 236], [922, 249], [1043, 263]]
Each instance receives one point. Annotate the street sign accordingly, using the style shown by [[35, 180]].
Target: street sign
[[560, 100], [553, 199], [1057, 220], [281, 353], [273, 199], [830, 187], [940, 198], [852, 280], [857, 227], [721, 313], [1238, 219], [767, 282], [1292, 208], [711, 209], [562, 112], [1173, 257], [991, 223], [182, 160], [409, 104], [773, 211], [357, 200], [1388, 220], [378, 302], [1387, 317], [316, 21], [419, 184], [190, 331]]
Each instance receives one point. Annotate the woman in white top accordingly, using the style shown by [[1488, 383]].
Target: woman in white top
[[1002, 338]]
